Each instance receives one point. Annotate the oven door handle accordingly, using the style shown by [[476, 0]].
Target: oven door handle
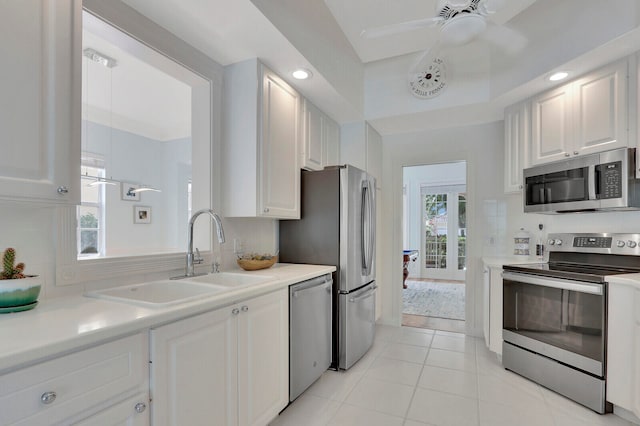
[[570, 285]]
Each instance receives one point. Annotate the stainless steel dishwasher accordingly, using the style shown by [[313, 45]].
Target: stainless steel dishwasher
[[309, 332]]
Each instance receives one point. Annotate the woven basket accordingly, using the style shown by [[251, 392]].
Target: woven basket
[[254, 265]]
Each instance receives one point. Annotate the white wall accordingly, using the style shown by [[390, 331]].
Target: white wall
[[481, 146], [414, 178]]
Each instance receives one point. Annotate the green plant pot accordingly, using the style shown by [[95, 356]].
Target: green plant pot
[[19, 293]]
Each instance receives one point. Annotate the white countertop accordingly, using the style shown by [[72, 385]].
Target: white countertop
[[631, 280], [498, 261], [67, 324]]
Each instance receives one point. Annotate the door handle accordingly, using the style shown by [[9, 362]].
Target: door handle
[[366, 295]]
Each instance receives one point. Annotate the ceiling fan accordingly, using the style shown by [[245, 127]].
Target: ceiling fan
[[459, 23]]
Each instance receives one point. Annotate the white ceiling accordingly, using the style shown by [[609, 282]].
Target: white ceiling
[[288, 33]]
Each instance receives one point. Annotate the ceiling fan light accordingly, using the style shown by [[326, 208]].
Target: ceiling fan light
[[462, 29]]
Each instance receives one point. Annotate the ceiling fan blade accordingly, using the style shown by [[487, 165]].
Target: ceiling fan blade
[[400, 27], [492, 6], [507, 39]]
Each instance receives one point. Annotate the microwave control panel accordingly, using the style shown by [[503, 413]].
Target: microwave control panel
[[610, 180]]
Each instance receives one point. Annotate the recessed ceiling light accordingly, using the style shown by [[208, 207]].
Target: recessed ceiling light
[[560, 75], [301, 74]]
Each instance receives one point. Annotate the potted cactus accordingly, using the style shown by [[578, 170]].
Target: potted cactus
[[18, 291]]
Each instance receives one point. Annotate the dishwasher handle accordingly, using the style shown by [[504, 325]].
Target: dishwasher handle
[[324, 282]]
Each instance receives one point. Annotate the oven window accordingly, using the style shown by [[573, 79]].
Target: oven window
[[568, 320], [558, 187]]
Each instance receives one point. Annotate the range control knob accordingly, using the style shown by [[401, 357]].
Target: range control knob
[[631, 244], [558, 242], [551, 242], [620, 243]]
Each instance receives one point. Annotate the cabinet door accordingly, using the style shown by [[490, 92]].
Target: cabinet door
[[40, 102], [263, 362], [551, 125], [193, 371], [279, 171], [332, 143], [131, 412], [313, 140], [495, 311], [517, 135], [636, 357], [600, 110], [486, 283]]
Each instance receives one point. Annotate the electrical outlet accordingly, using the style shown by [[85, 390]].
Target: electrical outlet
[[237, 245]]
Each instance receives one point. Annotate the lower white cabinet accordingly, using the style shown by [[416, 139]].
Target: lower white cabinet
[[492, 312], [623, 346], [225, 367], [103, 380], [130, 412]]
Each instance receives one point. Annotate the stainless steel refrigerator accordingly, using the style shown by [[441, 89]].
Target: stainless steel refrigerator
[[337, 227]]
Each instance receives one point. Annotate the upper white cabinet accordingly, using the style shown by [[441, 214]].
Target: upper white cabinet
[[517, 133], [586, 116], [229, 366], [321, 140], [361, 146], [40, 102], [262, 131]]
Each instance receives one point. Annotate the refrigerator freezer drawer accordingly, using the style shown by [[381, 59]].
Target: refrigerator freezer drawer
[[357, 324], [309, 332]]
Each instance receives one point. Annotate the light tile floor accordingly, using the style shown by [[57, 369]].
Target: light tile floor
[[418, 377]]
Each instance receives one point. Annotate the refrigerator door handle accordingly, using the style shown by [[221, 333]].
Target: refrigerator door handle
[[369, 293], [366, 234]]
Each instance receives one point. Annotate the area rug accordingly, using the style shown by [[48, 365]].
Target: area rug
[[440, 300]]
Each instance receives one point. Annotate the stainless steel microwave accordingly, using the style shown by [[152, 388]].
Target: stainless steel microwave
[[592, 182]]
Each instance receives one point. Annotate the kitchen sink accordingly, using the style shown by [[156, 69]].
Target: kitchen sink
[[159, 293], [229, 279]]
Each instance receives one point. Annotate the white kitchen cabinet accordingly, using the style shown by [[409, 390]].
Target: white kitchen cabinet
[[492, 308], [133, 411], [320, 143], [261, 139], [361, 146], [40, 102], [623, 346], [585, 116], [228, 367], [332, 143], [517, 134], [79, 385]]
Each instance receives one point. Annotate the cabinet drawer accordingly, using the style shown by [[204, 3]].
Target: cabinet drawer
[[54, 390]]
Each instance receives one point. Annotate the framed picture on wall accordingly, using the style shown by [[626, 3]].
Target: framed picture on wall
[[141, 214], [128, 192]]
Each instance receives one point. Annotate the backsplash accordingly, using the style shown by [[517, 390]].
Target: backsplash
[[31, 230]]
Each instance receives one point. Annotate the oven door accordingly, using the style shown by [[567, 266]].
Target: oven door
[[560, 319]]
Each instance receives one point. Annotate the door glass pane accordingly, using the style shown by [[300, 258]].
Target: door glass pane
[[435, 231], [462, 232]]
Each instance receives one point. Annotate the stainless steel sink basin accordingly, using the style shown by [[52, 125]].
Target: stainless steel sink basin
[[229, 279], [158, 293]]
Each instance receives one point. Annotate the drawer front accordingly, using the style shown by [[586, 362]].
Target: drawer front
[[54, 390]]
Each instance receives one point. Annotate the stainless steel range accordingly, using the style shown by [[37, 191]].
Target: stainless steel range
[[555, 314]]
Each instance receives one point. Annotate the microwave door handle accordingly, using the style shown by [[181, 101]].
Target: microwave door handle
[[591, 182]]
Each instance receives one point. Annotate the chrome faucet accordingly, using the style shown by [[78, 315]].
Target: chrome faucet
[[219, 232]]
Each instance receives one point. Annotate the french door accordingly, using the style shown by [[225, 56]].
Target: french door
[[444, 232]]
